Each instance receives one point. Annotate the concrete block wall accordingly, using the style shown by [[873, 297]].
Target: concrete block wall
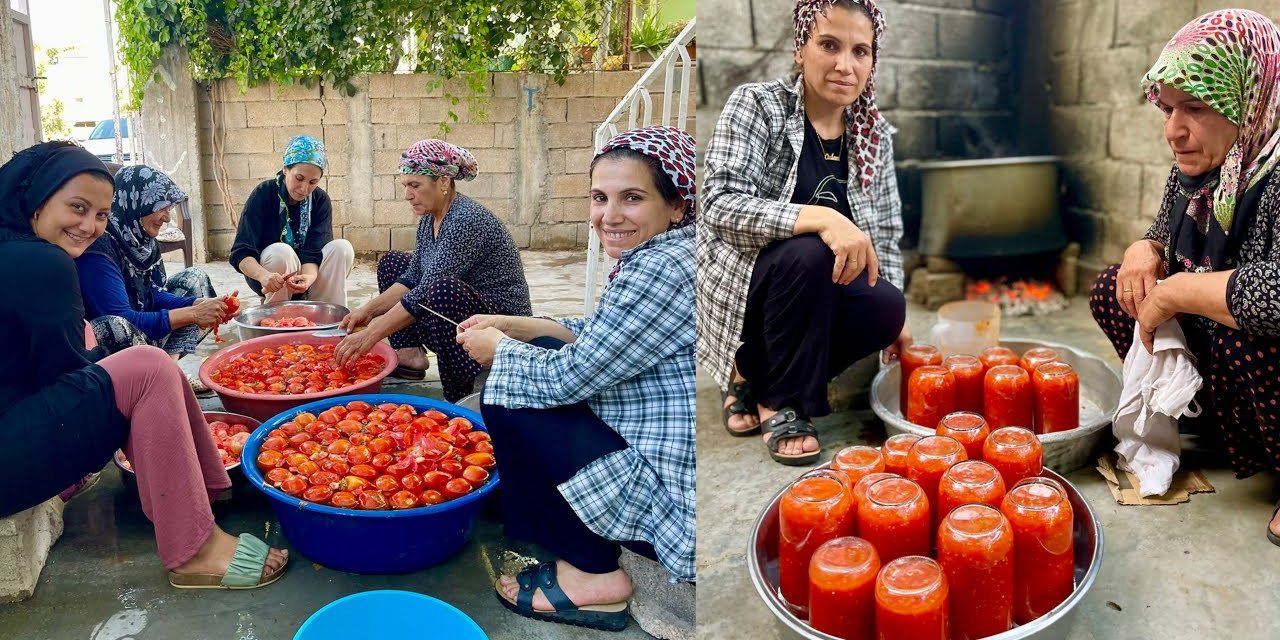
[[534, 148], [946, 75]]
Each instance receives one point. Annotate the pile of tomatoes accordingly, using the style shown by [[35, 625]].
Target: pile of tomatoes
[[286, 322], [230, 439], [359, 456], [293, 369]]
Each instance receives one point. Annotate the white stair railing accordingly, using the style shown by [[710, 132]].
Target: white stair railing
[[673, 66]]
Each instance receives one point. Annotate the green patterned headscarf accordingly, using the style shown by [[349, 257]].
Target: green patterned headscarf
[[1230, 60]]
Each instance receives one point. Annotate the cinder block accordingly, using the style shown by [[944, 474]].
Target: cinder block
[[271, 114], [381, 85], [942, 288], [553, 236], [368, 240], [980, 37], [393, 111], [616, 83], [575, 84], [569, 135], [310, 112], [404, 238], [391, 212], [664, 610]]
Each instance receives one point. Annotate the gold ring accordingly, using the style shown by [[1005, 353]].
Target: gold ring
[[1128, 290]]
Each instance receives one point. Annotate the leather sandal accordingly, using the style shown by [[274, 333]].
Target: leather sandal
[[743, 405], [605, 617], [245, 571], [788, 424]]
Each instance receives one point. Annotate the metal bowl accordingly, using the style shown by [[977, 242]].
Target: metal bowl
[[762, 564], [326, 315], [1065, 451], [128, 478]]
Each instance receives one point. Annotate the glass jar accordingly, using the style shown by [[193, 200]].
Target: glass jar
[[894, 516], [1035, 357], [975, 549], [1007, 397], [912, 600], [842, 581], [996, 356], [913, 357], [932, 395], [1015, 452], [968, 371], [968, 428], [969, 482], [1044, 559], [814, 509], [895, 450], [1057, 397]]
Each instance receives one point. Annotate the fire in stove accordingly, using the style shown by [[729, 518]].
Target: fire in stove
[[1018, 297]]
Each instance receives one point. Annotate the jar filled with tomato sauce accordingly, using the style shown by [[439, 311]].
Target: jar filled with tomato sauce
[[857, 462], [969, 482], [968, 428], [1057, 397], [975, 549], [814, 509], [860, 488], [913, 357], [842, 581], [1007, 397], [928, 461], [1015, 452], [968, 371], [1044, 559], [996, 356], [895, 450], [912, 600], [932, 395], [1035, 357], [894, 516]]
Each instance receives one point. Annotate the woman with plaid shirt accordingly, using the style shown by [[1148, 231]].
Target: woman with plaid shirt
[[592, 418], [799, 270]]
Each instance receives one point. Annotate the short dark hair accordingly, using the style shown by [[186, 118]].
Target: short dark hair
[[666, 188]]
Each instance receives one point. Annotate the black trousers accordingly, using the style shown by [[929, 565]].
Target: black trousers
[[538, 449], [801, 329]]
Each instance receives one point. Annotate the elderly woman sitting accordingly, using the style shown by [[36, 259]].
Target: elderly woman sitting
[[593, 418], [465, 263], [1211, 259], [122, 278]]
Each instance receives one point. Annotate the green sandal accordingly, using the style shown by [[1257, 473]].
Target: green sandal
[[245, 571]]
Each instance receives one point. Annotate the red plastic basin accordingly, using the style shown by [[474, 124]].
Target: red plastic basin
[[263, 407]]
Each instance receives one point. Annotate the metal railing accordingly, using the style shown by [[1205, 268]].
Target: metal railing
[[672, 67]]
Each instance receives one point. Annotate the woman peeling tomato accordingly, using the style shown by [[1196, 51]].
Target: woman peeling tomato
[[70, 405], [592, 418]]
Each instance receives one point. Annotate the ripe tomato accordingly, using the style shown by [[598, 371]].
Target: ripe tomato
[[477, 437], [343, 499], [431, 496], [359, 405], [382, 460], [436, 480], [364, 471], [457, 487], [353, 484], [278, 475], [373, 500], [275, 443], [294, 485], [339, 447], [381, 444], [404, 500], [269, 459], [411, 481], [475, 475], [294, 459], [451, 467], [482, 460], [483, 447], [324, 477], [386, 483], [308, 468], [359, 454]]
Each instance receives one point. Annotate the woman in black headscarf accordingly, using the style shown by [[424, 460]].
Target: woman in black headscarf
[[65, 408]]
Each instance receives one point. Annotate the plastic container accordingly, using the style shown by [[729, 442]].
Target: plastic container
[[390, 541], [263, 406], [130, 480], [396, 614], [966, 327]]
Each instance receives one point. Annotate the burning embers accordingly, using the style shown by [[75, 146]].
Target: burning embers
[[1018, 297]]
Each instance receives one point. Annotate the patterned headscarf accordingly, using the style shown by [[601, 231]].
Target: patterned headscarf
[[1230, 60], [862, 117], [305, 149], [440, 159], [140, 191]]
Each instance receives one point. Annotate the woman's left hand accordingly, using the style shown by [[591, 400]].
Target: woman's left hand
[[893, 351], [353, 346], [300, 282], [481, 344], [1156, 309]]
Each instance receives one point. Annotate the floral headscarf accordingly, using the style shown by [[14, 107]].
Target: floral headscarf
[[305, 149], [440, 159], [140, 191], [1230, 60], [862, 117]]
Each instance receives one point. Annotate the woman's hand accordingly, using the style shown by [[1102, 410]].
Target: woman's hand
[[1142, 265], [1157, 308], [894, 351], [300, 282], [353, 346], [853, 248], [480, 343], [481, 321], [271, 282], [208, 312], [356, 319]]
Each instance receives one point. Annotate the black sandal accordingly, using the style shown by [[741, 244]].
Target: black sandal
[[787, 424], [744, 405], [605, 617], [1275, 539]]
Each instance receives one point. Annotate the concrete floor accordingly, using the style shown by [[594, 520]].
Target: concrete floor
[[103, 580], [1202, 569]]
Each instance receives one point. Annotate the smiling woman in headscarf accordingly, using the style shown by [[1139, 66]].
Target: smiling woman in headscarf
[[284, 244], [465, 262], [127, 297], [592, 418], [65, 406], [1211, 259], [799, 270]]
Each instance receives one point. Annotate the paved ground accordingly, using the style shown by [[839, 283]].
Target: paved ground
[[103, 580], [1202, 569]]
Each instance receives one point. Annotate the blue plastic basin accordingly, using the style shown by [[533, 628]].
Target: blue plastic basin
[[394, 614], [371, 542]]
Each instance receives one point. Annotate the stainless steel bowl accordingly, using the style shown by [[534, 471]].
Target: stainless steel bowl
[[326, 316], [762, 563], [1065, 451]]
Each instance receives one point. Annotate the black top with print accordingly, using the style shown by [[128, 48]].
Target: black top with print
[[818, 180]]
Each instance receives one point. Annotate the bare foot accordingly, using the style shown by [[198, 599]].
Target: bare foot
[[1275, 524], [215, 556], [412, 357], [791, 446], [584, 589], [739, 422]]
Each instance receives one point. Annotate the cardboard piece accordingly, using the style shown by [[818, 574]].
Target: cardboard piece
[[1124, 485]]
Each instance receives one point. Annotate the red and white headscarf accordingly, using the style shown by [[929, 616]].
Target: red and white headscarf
[[862, 117], [675, 150], [439, 158]]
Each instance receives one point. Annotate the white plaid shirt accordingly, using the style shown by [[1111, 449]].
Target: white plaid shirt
[[750, 176], [633, 362]]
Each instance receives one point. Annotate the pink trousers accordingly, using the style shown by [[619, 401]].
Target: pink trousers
[[178, 467]]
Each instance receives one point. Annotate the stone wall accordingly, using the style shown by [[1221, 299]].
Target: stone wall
[[946, 76], [1090, 57], [534, 150], [12, 136], [170, 134]]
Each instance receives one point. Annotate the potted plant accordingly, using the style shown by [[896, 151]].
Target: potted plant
[[648, 38], [587, 42]]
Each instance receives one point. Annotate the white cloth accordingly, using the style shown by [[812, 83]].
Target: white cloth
[[331, 279], [1159, 388]]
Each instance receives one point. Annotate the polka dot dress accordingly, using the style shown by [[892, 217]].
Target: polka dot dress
[[1241, 392]]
